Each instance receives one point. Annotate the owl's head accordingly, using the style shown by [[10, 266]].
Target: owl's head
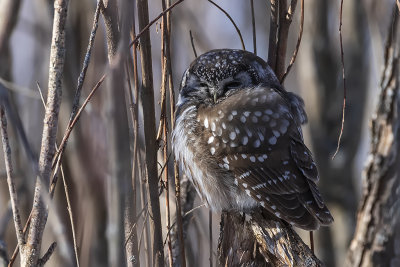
[[217, 74]]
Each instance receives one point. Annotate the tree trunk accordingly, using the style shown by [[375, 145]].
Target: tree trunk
[[376, 240]]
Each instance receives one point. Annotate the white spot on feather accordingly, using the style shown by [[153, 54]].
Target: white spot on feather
[[212, 126], [272, 140], [212, 150], [245, 140], [257, 143], [206, 122]]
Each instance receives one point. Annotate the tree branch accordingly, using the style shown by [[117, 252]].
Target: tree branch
[[147, 96], [30, 252], [10, 179]]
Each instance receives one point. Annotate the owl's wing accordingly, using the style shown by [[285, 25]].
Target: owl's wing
[[254, 135]]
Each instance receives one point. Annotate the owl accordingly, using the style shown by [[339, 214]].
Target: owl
[[238, 138]]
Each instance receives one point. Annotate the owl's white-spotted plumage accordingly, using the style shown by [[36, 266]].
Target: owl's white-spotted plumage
[[238, 139]]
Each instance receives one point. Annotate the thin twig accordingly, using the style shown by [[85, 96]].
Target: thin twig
[[344, 79], [76, 118], [192, 42], [210, 236], [154, 21], [312, 241], [71, 217], [147, 100], [184, 215], [233, 22], [253, 23], [48, 254], [143, 227], [134, 225], [10, 179], [132, 231], [273, 29], [297, 44], [41, 94], [86, 62], [165, 46], [134, 110], [18, 89], [176, 181], [285, 19]]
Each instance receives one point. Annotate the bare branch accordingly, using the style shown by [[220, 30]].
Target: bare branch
[[233, 22], [75, 120], [147, 97], [166, 70], [10, 179], [253, 23], [292, 60], [273, 29], [71, 217], [375, 240], [145, 28], [344, 79], [30, 252], [109, 11], [86, 62], [210, 237], [48, 254], [192, 42], [285, 19]]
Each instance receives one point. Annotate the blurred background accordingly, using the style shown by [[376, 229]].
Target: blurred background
[[316, 76]]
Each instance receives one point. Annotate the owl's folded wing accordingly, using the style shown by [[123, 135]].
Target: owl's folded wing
[[253, 135]]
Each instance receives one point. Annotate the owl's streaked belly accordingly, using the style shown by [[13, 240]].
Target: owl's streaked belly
[[202, 169]]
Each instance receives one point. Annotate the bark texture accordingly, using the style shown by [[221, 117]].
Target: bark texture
[[149, 125], [376, 240], [30, 252]]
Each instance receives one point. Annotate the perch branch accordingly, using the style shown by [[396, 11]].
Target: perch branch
[[276, 243]]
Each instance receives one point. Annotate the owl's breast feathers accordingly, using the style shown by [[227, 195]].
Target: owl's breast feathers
[[248, 150]]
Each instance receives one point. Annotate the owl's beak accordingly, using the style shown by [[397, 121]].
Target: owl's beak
[[215, 97]]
